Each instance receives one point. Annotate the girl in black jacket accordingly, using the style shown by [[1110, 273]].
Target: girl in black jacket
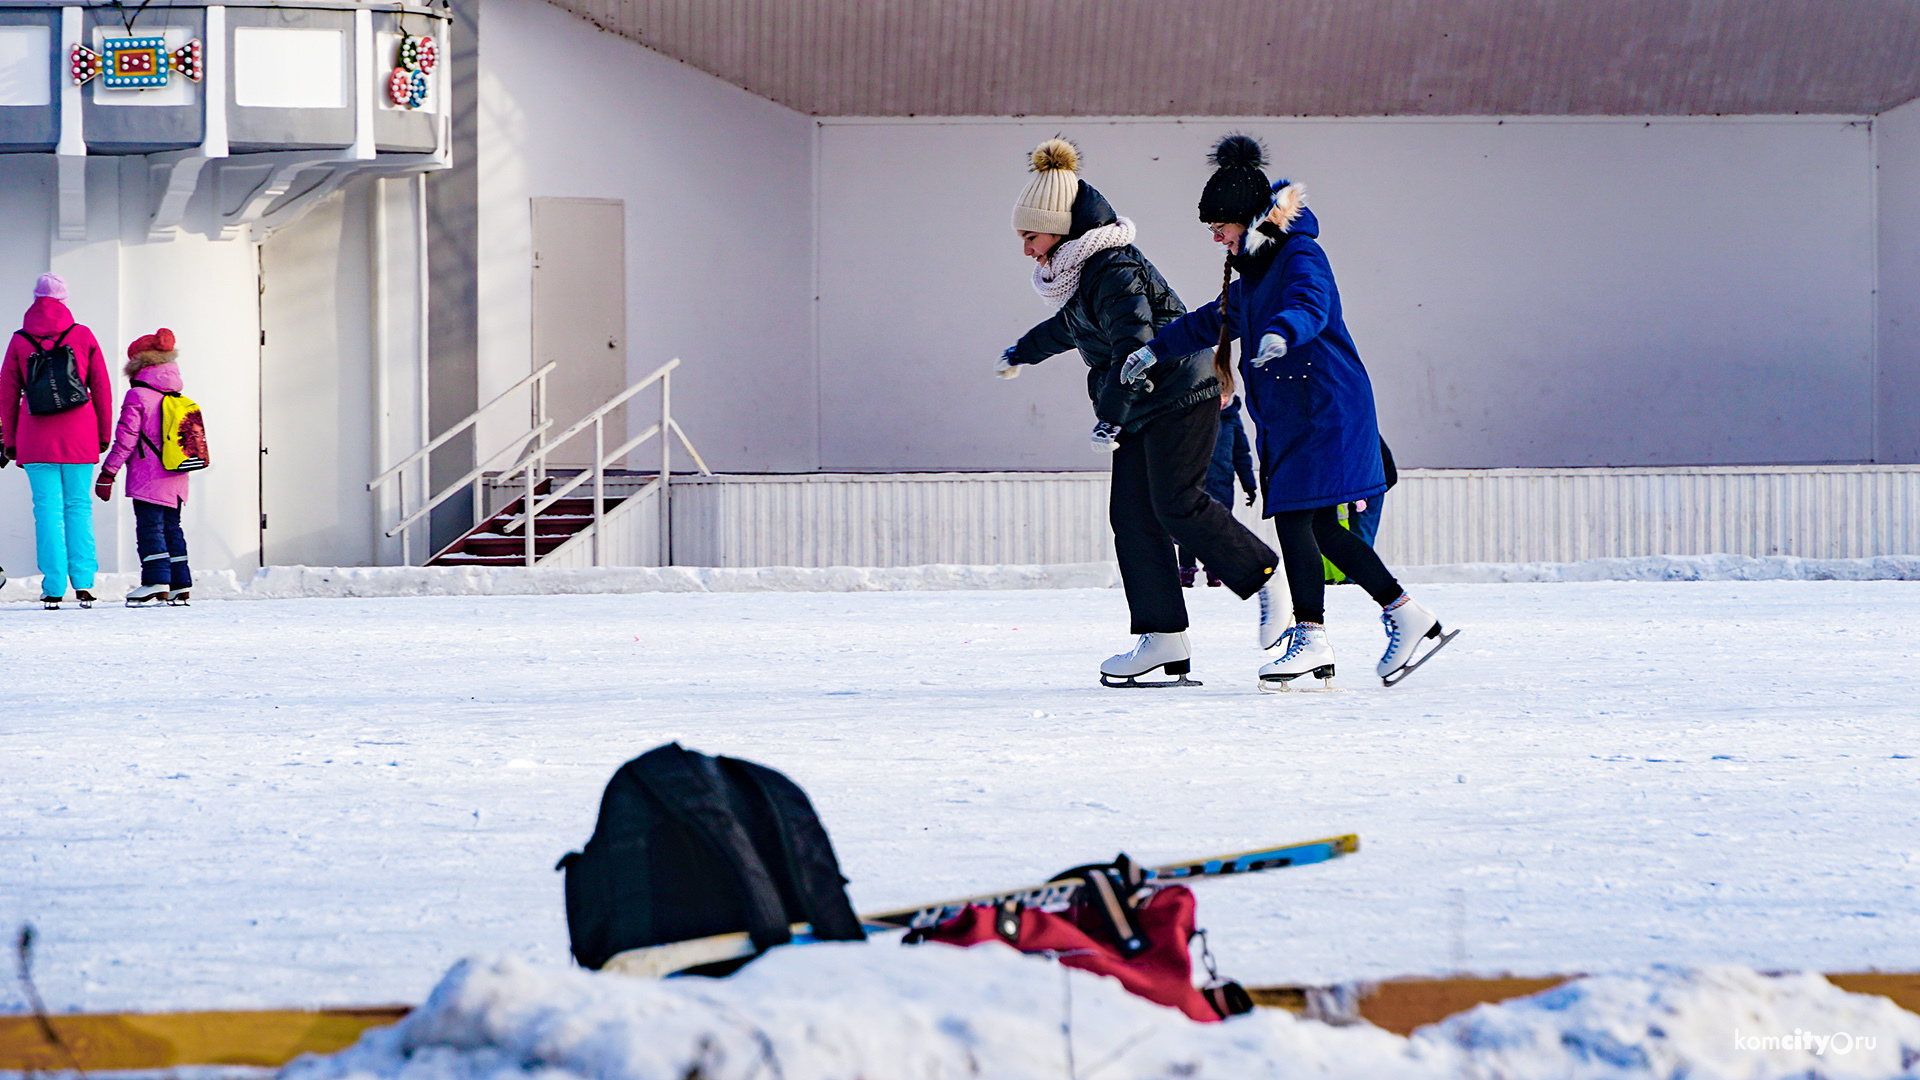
[[1161, 429]]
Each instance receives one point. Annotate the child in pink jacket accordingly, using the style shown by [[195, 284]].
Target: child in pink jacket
[[157, 493]]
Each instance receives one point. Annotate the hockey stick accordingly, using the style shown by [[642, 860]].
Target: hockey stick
[[655, 961]]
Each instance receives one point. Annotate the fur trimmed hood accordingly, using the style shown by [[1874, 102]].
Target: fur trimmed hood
[[1286, 214], [157, 370], [151, 358]]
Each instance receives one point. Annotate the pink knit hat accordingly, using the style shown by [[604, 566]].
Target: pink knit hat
[[51, 285], [160, 341]]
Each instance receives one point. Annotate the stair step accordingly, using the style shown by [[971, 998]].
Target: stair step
[[510, 545]]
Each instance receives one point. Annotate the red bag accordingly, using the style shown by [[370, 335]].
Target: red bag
[[1162, 972]]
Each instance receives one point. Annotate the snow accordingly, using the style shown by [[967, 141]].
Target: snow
[[841, 1011], [332, 802]]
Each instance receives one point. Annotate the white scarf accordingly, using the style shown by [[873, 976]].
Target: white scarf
[[1057, 278]]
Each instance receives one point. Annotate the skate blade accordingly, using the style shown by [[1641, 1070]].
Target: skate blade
[[1270, 684], [1394, 677], [1132, 682], [1283, 684]]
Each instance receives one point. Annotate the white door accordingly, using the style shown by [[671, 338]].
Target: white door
[[580, 315]]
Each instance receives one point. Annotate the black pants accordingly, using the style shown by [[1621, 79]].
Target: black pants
[[1305, 535], [1159, 496], [162, 546]]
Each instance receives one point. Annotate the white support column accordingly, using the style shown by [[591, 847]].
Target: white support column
[[71, 152], [382, 374], [364, 65]]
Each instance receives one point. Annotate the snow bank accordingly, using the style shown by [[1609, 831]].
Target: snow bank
[[1675, 568], [296, 582], [218, 585], [848, 1011], [1702, 1024]]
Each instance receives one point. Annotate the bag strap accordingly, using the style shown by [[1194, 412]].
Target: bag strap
[[814, 880], [690, 788], [1111, 891]]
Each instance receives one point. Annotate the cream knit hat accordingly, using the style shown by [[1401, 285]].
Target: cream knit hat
[[1047, 204]]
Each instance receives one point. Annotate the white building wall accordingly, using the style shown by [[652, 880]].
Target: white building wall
[[1524, 293], [718, 191], [26, 205], [318, 367], [1897, 175]]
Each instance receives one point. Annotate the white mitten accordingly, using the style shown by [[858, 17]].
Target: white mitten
[[1272, 347]]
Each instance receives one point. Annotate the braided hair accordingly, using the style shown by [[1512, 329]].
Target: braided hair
[[1223, 352]]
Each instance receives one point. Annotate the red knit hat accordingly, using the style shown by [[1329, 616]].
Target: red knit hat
[[161, 341]]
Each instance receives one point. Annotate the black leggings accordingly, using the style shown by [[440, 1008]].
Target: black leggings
[[1307, 534]]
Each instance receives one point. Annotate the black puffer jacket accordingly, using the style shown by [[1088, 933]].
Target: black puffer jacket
[[1121, 303]]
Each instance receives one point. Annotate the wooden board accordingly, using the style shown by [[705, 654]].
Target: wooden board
[[1402, 1005], [163, 1040]]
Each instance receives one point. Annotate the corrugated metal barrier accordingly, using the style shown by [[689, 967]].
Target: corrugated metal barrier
[[1435, 516]]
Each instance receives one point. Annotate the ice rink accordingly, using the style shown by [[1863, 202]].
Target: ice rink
[[307, 802]]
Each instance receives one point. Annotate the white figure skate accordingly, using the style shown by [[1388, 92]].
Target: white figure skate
[[1308, 653], [1152, 651], [1276, 612], [1408, 625], [156, 594]]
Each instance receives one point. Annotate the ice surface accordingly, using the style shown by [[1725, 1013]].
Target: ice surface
[[325, 802]]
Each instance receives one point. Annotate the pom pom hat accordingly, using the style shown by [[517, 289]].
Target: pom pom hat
[[1237, 192], [159, 342], [1047, 204]]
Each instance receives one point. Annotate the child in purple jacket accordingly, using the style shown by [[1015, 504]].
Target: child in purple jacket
[[157, 493]]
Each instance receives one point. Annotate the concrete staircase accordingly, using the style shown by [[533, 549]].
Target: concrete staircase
[[501, 540]]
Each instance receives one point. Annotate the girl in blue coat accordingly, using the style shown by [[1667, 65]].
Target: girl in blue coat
[[1312, 408]]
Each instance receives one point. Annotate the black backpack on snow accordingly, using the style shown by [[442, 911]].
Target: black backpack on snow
[[688, 846], [53, 380]]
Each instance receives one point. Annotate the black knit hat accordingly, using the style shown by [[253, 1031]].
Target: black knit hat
[[1238, 191]]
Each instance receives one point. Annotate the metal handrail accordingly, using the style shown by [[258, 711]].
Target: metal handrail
[[535, 461], [474, 474], [472, 418], [538, 425]]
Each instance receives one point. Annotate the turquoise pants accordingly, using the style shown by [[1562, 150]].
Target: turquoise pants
[[63, 525]]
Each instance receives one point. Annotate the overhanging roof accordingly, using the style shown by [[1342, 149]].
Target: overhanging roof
[[1291, 57]]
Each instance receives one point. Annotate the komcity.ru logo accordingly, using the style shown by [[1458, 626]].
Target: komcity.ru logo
[[1839, 1042]]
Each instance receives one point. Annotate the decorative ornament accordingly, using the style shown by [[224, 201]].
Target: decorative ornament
[[407, 86], [84, 64], [141, 63], [189, 60], [135, 63]]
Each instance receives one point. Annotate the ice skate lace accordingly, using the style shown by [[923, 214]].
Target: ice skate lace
[[1296, 640], [1393, 632]]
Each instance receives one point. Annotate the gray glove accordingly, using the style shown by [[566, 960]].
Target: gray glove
[[1134, 368], [1106, 437], [1272, 347], [1006, 368]]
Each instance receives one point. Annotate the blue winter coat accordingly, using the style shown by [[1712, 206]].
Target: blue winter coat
[[1312, 409], [1230, 458]]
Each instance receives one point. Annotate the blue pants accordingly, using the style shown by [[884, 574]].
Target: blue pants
[[163, 547], [63, 525]]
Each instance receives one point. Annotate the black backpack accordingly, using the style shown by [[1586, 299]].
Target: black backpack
[[689, 846], [54, 383]]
